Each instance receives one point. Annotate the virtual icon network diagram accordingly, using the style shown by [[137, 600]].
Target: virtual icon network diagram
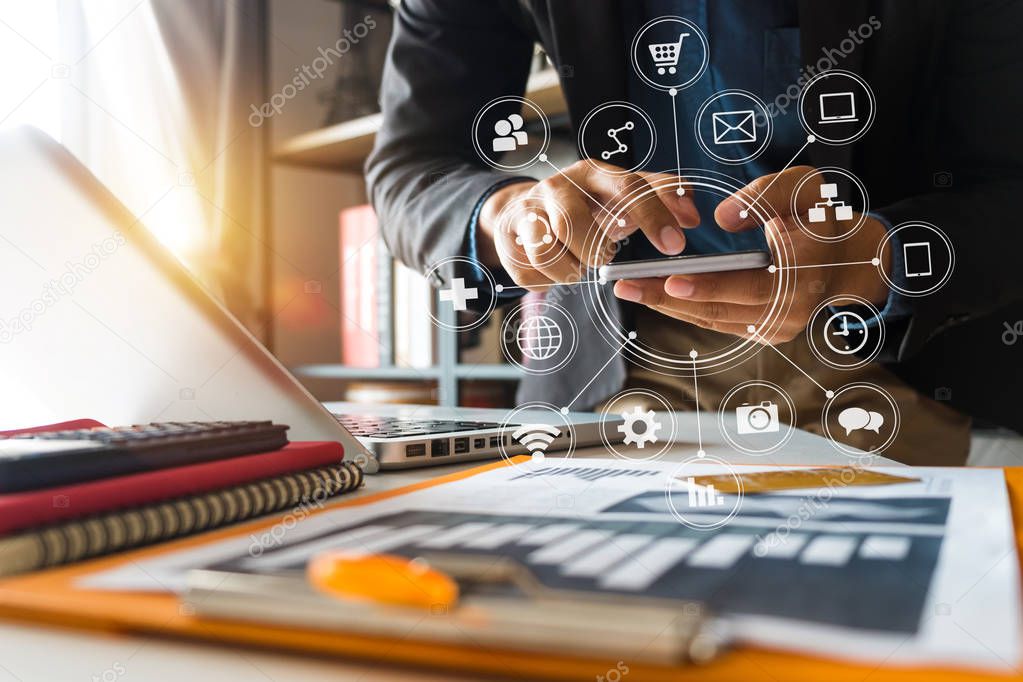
[[828, 205]]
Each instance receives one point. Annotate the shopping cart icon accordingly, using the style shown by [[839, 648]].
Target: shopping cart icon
[[666, 54]]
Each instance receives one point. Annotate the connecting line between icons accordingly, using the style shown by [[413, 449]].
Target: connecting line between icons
[[776, 268], [674, 120], [810, 139], [631, 337], [696, 394], [753, 330]]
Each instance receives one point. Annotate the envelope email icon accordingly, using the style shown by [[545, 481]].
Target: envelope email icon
[[734, 127]]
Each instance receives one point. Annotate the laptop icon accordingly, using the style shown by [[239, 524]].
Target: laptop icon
[[837, 107]]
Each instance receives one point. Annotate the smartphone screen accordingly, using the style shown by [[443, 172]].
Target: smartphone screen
[[686, 265]]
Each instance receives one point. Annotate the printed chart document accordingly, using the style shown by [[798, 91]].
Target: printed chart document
[[921, 572]]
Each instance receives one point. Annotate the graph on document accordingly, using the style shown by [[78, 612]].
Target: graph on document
[[863, 563]]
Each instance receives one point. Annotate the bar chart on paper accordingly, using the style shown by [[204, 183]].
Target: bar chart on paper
[[735, 566]]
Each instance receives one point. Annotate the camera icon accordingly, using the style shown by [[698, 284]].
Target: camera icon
[[943, 179], [760, 418]]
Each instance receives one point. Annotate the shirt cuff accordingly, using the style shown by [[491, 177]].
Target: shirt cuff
[[472, 251]]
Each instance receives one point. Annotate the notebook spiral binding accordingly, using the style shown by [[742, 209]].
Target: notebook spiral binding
[[73, 541]]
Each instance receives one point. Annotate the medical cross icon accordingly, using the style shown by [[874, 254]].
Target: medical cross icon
[[458, 294]]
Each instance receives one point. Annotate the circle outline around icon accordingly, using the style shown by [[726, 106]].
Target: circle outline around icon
[[514, 318], [533, 463], [666, 439], [861, 360], [698, 120], [819, 172], [541, 212], [944, 238], [682, 85], [586, 156], [481, 149], [864, 385], [788, 427], [491, 287], [842, 73], [673, 476]]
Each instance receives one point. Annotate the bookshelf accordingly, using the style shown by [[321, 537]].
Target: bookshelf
[[343, 148]]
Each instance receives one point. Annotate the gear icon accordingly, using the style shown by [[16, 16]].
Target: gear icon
[[647, 433]]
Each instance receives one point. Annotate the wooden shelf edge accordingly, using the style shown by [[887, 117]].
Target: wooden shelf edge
[[345, 146]]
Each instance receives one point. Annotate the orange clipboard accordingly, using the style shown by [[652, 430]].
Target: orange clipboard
[[50, 597]]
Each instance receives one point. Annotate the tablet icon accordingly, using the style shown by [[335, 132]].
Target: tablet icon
[[917, 257], [837, 107]]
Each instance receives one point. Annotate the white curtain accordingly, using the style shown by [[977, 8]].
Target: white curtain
[[153, 97]]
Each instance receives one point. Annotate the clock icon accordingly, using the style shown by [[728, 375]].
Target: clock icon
[[846, 333]]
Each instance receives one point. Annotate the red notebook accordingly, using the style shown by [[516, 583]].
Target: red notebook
[[20, 511]]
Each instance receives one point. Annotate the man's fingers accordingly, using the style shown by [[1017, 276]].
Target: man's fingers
[[754, 287], [516, 262], [681, 205], [651, 292], [768, 195], [648, 214], [544, 247], [575, 224], [732, 328]]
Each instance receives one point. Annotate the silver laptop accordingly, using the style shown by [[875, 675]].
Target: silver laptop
[[98, 320]]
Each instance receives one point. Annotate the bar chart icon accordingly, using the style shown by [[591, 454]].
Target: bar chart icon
[[703, 495]]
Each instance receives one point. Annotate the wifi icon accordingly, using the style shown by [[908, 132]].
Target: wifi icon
[[536, 438]]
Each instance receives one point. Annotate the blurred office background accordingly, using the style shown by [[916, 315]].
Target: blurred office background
[[236, 130]]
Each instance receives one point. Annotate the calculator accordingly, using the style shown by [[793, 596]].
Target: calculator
[[34, 461]]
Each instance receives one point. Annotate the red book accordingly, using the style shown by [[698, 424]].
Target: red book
[[24, 510], [360, 325]]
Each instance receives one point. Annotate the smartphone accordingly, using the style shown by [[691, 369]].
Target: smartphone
[[686, 265]]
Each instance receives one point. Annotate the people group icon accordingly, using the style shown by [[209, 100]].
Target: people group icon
[[509, 134]]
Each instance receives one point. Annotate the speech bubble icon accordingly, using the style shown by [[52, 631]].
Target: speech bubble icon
[[853, 418], [875, 423]]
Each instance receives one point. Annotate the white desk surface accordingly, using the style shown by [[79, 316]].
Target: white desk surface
[[31, 653]]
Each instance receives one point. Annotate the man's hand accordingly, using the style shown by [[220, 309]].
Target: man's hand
[[731, 301], [572, 203]]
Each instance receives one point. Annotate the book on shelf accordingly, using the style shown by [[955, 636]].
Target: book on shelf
[[413, 329], [360, 252]]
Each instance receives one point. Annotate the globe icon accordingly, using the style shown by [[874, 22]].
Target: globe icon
[[539, 338]]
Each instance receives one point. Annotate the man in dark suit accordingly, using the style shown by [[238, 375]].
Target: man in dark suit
[[944, 149]]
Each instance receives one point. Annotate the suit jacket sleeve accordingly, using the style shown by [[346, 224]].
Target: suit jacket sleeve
[[447, 59], [982, 143]]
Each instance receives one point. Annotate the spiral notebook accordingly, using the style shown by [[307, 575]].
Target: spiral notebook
[[62, 525]]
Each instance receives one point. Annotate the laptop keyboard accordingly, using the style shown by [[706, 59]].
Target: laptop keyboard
[[400, 427]]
